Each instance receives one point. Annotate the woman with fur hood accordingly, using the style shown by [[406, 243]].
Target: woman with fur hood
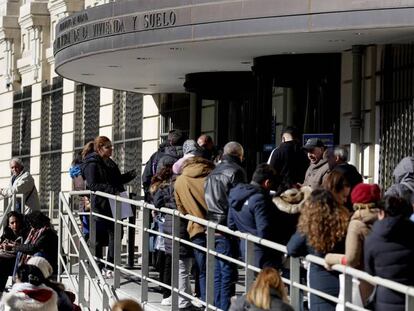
[[29, 292]]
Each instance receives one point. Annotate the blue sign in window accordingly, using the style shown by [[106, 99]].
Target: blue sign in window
[[327, 138]]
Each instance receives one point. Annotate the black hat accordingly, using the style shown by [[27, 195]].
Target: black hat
[[313, 142]]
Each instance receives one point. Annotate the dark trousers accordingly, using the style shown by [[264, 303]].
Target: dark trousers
[[7, 265]]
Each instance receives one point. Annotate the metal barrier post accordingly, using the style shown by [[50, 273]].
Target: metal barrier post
[[52, 203], [409, 303], [117, 244], [92, 235], [145, 253], [131, 231], [347, 291], [249, 261], [175, 260], [295, 277], [13, 206], [60, 237], [210, 267], [82, 273]]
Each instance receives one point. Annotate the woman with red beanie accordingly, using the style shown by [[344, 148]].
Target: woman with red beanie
[[364, 198]]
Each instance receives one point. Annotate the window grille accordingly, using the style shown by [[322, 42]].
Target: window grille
[[21, 135], [127, 133], [396, 109], [86, 114], [51, 141]]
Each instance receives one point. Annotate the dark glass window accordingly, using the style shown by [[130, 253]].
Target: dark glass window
[[175, 113]]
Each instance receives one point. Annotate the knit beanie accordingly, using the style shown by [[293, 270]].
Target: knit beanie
[[366, 193], [42, 264], [190, 146]]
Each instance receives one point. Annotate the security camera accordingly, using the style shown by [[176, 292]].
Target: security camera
[[8, 83]]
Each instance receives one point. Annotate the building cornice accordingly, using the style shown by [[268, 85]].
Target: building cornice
[[34, 14]]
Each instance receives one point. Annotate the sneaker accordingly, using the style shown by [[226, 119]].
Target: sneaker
[[196, 304], [166, 301], [109, 274]]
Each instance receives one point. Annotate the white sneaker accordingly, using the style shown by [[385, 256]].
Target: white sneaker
[[166, 301], [196, 304], [109, 274]]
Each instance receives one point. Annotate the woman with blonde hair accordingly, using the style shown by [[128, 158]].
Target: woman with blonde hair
[[321, 229], [267, 293]]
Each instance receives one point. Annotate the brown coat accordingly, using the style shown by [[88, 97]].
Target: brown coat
[[316, 173], [189, 191]]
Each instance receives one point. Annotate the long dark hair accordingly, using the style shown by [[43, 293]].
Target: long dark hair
[[38, 220]]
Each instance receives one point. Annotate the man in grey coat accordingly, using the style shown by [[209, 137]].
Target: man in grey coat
[[21, 182]]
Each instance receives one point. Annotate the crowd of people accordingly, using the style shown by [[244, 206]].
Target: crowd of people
[[307, 196]]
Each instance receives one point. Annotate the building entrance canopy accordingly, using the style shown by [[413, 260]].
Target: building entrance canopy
[[149, 46]]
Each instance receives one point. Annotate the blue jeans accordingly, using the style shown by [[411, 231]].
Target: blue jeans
[[224, 274], [200, 258]]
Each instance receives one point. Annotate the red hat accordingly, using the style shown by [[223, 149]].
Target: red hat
[[366, 193]]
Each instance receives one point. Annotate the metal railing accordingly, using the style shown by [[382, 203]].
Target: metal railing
[[86, 263], [85, 258]]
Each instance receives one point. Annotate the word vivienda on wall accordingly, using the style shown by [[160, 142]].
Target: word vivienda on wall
[[80, 28]]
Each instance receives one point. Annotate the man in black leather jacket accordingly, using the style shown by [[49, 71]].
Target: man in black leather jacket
[[225, 176]]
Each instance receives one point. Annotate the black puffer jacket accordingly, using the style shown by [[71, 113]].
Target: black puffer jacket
[[389, 253], [164, 197], [225, 176], [103, 175], [165, 149]]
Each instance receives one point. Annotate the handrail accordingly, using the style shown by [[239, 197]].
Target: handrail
[[294, 280], [106, 290]]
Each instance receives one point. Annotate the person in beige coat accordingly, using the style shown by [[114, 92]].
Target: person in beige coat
[[189, 198], [364, 198], [22, 182]]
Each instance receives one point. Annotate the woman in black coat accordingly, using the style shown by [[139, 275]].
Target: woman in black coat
[[389, 251], [102, 174], [321, 229]]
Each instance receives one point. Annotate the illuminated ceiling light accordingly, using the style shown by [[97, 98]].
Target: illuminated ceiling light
[[358, 33]]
